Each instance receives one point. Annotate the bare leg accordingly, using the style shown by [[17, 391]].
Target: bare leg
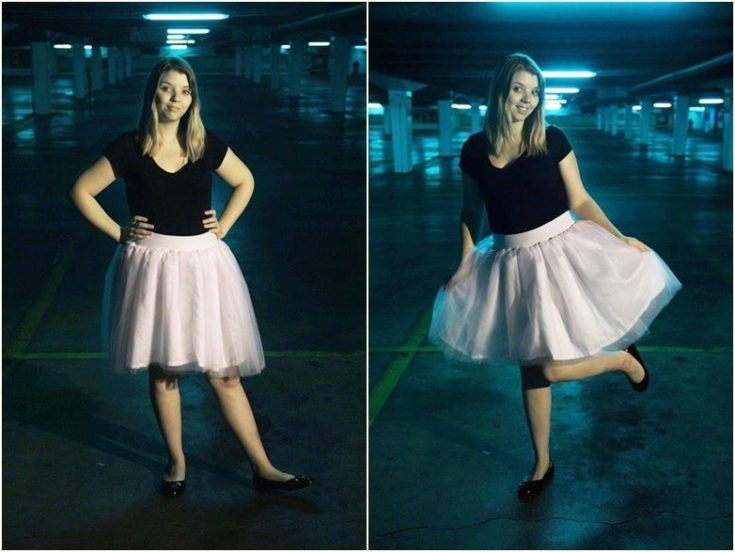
[[166, 400], [537, 402], [236, 410], [558, 371]]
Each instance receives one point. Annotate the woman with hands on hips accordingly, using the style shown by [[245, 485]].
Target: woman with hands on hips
[[564, 299], [175, 299]]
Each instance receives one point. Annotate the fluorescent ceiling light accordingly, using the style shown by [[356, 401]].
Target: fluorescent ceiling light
[[87, 46], [552, 105], [285, 46], [177, 41], [561, 90], [178, 46], [176, 37], [62, 46], [318, 43], [552, 96], [461, 106], [188, 31], [374, 105], [662, 105], [569, 74], [697, 108], [361, 47], [636, 108], [185, 16], [711, 101]]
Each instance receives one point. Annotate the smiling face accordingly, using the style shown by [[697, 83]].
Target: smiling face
[[173, 96], [523, 96]]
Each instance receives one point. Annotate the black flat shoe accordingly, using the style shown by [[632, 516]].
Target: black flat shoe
[[173, 488], [293, 484], [643, 384], [528, 490]]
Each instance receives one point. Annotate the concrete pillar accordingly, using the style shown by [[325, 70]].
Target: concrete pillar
[[628, 118], [80, 71], [445, 128], [614, 120], [40, 57], [386, 120], [599, 119], [400, 118], [681, 124], [275, 71], [257, 63], [238, 61], [475, 117], [646, 119], [727, 130], [120, 64], [339, 59], [111, 66], [297, 55], [247, 62], [96, 68], [128, 58]]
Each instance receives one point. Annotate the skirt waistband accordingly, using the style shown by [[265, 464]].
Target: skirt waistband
[[178, 243], [544, 232]]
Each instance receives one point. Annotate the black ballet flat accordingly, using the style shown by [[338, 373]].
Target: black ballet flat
[[173, 488], [293, 484], [643, 384], [528, 490]]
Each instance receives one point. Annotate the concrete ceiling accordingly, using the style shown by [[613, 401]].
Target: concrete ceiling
[[121, 24], [455, 46]]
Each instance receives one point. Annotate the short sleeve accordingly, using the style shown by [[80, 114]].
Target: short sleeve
[[120, 153], [557, 143], [216, 149], [472, 154]]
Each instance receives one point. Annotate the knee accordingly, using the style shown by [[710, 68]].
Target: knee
[[160, 380], [224, 384], [550, 372]]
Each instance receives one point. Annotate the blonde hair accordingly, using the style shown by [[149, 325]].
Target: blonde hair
[[191, 133], [497, 121]]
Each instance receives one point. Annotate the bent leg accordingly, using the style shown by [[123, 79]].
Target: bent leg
[[166, 401], [573, 370], [236, 410], [537, 403]]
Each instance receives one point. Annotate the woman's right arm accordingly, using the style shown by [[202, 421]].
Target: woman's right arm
[[470, 225], [82, 193]]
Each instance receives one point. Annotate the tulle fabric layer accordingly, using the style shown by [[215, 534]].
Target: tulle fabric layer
[[179, 302], [574, 295]]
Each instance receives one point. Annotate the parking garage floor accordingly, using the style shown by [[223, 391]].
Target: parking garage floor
[[82, 456], [450, 445]]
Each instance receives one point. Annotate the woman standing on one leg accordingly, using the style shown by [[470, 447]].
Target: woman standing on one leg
[[564, 299], [175, 299]]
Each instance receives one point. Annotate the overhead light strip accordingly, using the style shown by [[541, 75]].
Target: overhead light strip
[[185, 16]]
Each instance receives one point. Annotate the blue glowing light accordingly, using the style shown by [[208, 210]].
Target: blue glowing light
[[461, 106], [562, 90], [711, 101], [185, 16], [662, 105], [62, 46], [178, 46], [188, 31], [569, 74], [318, 44]]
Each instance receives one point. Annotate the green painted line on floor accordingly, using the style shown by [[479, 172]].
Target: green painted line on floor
[[383, 389], [642, 348], [89, 355], [32, 320]]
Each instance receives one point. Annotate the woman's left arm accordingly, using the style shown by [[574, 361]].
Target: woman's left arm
[[582, 203], [235, 173]]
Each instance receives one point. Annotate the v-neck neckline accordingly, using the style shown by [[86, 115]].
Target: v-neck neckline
[[168, 172]]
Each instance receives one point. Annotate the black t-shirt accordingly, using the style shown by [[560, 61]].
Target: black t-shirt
[[173, 202], [525, 194]]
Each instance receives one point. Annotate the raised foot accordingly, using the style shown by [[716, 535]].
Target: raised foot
[[636, 370]]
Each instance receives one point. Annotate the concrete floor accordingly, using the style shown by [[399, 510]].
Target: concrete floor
[[450, 445], [82, 455]]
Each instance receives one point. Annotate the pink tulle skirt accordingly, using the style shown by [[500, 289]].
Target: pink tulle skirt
[[179, 302], [563, 291]]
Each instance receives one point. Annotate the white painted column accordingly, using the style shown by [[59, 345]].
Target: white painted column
[[628, 119], [727, 131], [296, 55], [40, 58], [400, 118], [96, 68], [600, 117], [257, 63], [614, 120], [445, 127], [681, 124], [475, 117], [386, 120], [80, 71], [646, 116], [339, 58], [275, 71]]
